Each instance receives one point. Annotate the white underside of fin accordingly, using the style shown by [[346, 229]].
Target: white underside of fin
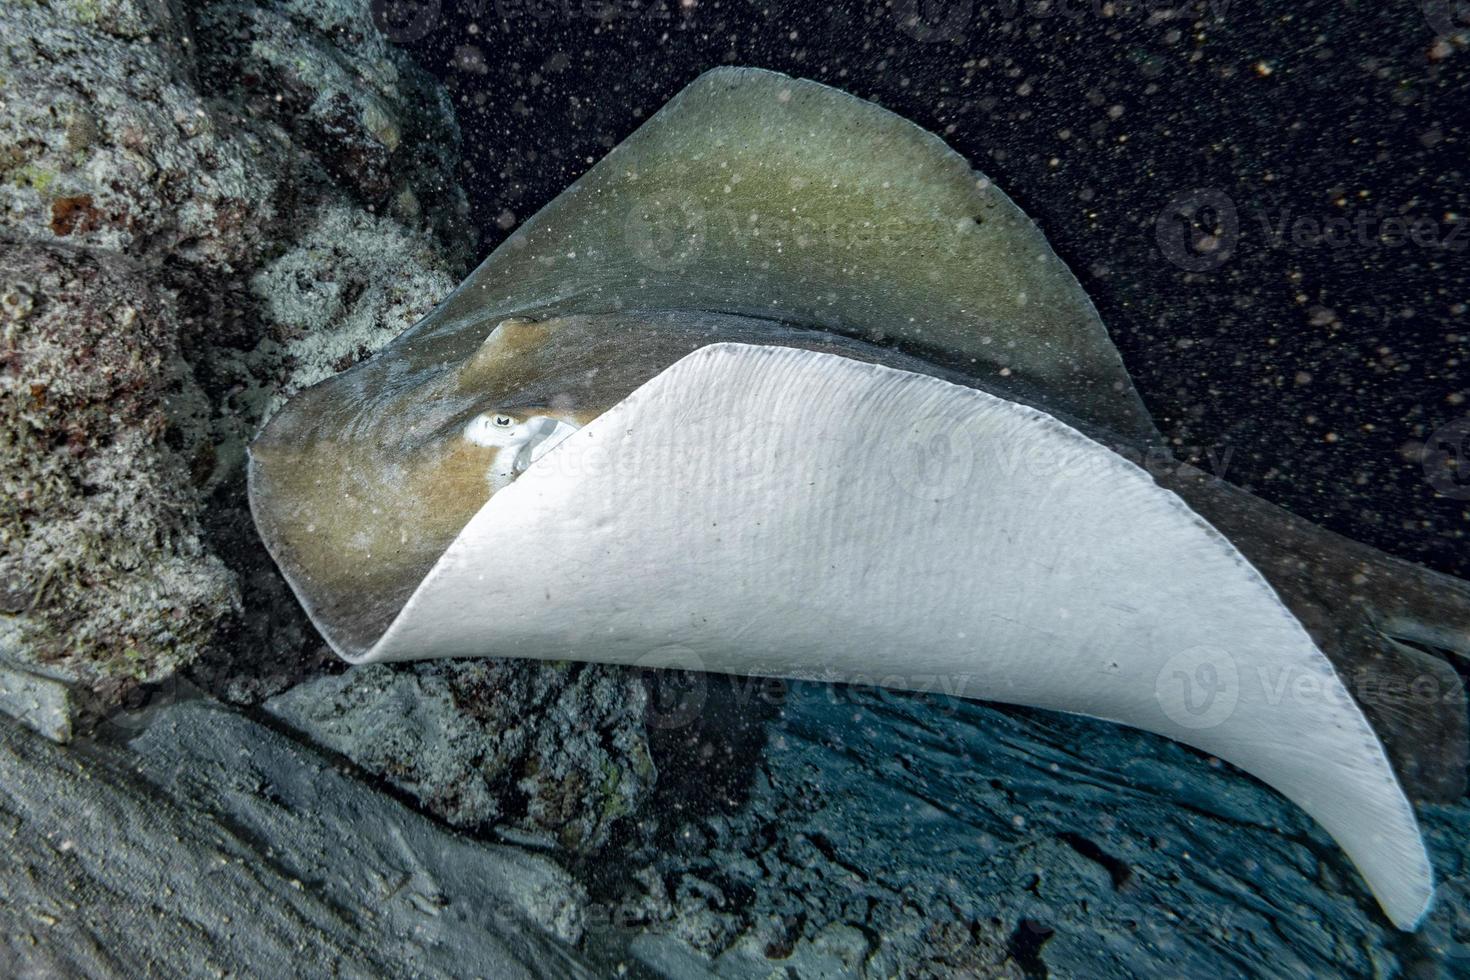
[[761, 510]]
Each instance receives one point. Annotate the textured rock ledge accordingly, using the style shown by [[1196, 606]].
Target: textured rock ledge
[[217, 846], [881, 834], [821, 831]]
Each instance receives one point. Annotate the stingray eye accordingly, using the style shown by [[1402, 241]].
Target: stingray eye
[[490, 428]]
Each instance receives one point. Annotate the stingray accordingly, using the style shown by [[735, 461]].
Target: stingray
[[783, 387]]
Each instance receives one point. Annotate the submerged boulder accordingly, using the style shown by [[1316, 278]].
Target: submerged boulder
[[215, 845], [554, 755], [102, 450], [203, 209], [974, 839], [178, 248]]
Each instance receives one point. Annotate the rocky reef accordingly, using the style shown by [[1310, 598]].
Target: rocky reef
[[205, 207], [213, 846], [104, 555], [552, 757], [888, 834]]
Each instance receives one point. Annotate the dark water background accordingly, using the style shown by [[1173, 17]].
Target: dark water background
[[1313, 369]]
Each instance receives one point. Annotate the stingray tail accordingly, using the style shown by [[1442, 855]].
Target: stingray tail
[[1415, 701], [1424, 608], [1417, 674]]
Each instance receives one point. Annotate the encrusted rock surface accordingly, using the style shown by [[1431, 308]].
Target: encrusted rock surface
[[105, 142], [550, 754], [884, 834], [322, 71], [203, 207], [100, 449], [37, 698]]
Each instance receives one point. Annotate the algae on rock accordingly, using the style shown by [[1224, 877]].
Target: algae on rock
[[101, 445], [545, 756], [153, 262]]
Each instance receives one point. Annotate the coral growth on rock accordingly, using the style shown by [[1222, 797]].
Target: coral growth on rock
[[202, 208], [548, 753], [102, 450]]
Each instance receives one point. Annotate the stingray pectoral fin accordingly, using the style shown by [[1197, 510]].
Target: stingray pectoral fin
[[752, 192], [762, 510]]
